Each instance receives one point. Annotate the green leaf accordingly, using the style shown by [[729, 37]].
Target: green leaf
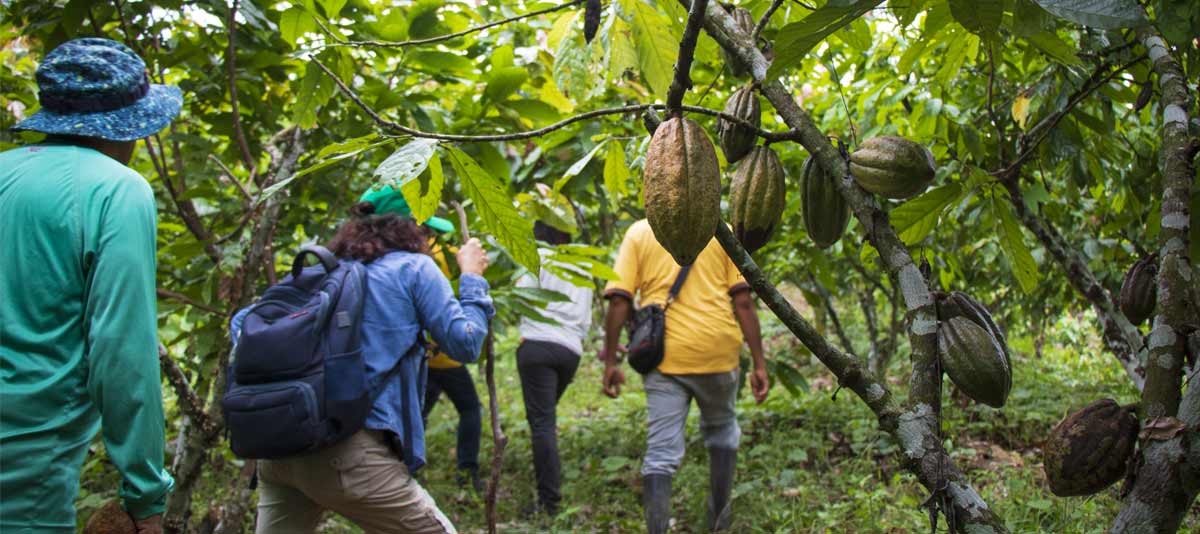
[[916, 218], [424, 193], [795, 40], [1102, 14], [494, 206], [534, 111], [621, 56], [978, 16], [616, 173], [538, 294], [1020, 260], [577, 167], [333, 7], [438, 61], [503, 82], [407, 162], [571, 66], [295, 22], [1054, 47], [656, 46], [348, 145], [323, 163], [1028, 18], [317, 89]]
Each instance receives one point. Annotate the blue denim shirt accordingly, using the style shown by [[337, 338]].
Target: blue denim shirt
[[408, 294]]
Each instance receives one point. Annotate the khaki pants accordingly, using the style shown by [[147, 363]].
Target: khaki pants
[[359, 478]]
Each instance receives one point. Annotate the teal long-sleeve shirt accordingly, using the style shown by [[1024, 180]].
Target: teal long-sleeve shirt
[[78, 342]]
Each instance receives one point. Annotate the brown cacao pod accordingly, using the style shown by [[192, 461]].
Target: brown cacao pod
[[110, 519], [974, 361], [682, 188], [959, 304], [745, 22], [824, 209], [757, 197], [1088, 451], [892, 166], [1139, 291], [737, 140]]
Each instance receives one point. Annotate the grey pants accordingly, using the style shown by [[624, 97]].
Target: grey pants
[[359, 478], [668, 399]]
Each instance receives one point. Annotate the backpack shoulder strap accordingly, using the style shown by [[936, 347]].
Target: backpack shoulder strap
[[678, 285]]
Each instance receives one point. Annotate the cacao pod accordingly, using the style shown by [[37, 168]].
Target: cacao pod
[[682, 188], [1139, 291], [974, 361], [824, 209], [757, 197], [110, 519], [892, 166], [737, 140], [745, 22], [1088, 451], [959, 304]]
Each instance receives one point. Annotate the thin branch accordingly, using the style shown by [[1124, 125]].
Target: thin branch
[[167, 294], [231, 68], [683, 62], [416, 42], [189, 401], [232, 177], [766, 19], [404, 130]]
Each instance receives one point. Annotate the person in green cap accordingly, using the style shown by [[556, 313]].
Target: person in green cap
[[78, 312], [368, 477]]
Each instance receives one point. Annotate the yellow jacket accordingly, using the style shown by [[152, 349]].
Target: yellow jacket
[[441, 360]]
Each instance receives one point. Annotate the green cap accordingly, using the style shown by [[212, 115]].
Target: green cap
[[389, 200]]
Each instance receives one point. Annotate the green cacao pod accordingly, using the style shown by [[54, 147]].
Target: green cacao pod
[[745, 22], [959, 304], [682, 188], [892, 166], [1088, 451], [1139, 291], [757, 197], [974, 361], [824, 209], [737, 140]]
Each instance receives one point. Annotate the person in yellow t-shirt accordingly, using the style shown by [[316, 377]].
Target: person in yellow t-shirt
[[449, 376], [705, 327]]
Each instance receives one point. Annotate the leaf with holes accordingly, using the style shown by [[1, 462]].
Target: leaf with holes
[[495, 207]]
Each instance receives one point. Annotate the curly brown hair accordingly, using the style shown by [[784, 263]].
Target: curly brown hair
[[366, 236]]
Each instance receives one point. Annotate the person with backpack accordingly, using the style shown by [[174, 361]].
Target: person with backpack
[[450, 376], [547, 359], [78, 310], [686, 336], [367, 476]]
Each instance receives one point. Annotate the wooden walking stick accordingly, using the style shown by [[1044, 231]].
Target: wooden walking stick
[[498, 438]]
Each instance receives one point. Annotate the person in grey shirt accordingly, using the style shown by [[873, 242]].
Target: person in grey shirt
[[546, 360]]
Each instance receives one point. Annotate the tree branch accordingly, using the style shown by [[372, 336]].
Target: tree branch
[[404, 130], [166, 294], [188, 400], [231, 68], [416, 42], [683, 62], [766, 19]]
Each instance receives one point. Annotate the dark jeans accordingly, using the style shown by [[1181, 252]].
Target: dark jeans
[[546, 369], [457, 384]]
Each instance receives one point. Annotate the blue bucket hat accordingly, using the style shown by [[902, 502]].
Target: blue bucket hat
[[94, 87]]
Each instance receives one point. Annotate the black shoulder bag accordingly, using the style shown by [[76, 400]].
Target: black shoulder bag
[[647, 333]]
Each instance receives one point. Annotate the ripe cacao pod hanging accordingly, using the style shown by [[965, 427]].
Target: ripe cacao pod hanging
[[824, 209], [974, 361], [892, 166], [737, 140], [1139, 291], [757, 197], [682, 188], [745, 22], [1088, 451], [959, 304]]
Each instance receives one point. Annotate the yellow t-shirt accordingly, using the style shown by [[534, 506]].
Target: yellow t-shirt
[[702, 334], [441, 360]]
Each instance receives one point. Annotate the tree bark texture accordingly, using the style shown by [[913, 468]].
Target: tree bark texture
[[1166, 482]]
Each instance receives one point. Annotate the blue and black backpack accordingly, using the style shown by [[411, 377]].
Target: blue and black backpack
[[298, 381]]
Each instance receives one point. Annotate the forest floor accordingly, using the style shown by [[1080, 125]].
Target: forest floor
[[812, 460]]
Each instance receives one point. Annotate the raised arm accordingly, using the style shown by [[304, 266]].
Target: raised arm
[[460, 325]]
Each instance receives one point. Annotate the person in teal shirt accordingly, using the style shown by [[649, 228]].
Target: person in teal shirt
[[78, 317]]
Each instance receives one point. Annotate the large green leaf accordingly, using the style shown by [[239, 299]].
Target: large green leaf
[[424, 193], [656, 46], [407, 162], [795, 40], [577, 167], [1102, 14], [616, 173], [295, 22], [978, 16], [1054, 47], [1020, 260], [495, 207], [504, 81], [317, 89], [917, 217]]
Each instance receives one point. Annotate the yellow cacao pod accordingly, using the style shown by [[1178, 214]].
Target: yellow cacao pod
[[682, 188]]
